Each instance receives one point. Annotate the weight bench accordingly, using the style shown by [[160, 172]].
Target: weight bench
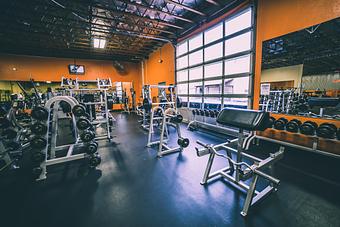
[[238, 171]]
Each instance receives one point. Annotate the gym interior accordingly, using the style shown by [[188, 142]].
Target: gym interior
[[170, 113]]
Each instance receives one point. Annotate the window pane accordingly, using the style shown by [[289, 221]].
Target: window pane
[[184, 100], [238, 85], [182, 75], [212, 100], [237, 65], [182, 48], [195, 99], [182, 62], [213, 70], [196, 58], [195, 88], [236, 102], [213, 34], [238, 23], [213, 52], [213, 87], [182, 89], [238, 44], [196, 73], [196, 42]]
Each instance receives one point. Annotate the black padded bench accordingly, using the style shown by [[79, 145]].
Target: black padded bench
[[251, 120]]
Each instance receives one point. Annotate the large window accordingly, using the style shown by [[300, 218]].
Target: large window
[[214, 67]]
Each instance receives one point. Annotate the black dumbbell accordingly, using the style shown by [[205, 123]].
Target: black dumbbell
[[308, 128], [271, 122], [326, 130], [3, 111], [39, 128], [94, 160], [9, 133], [206, 113], [280, 123], [211, 113], [178, 118], [83, 123], [183, 142], [201, 112], [5, 123], [87, 135], [39, 113], [91, 147], [13, 145], [293, 125], [36, 171], [79, 110], [193, 111], [216, 112], [65, 106], [38, 142]]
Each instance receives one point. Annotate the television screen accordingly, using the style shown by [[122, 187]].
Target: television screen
[[76, 69]]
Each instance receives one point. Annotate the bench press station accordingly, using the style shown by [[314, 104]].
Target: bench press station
[[239, 171]]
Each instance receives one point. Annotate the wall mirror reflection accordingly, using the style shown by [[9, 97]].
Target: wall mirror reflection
[[300, 72]]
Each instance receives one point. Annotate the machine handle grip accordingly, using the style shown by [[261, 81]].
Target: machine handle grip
[[201, 143]]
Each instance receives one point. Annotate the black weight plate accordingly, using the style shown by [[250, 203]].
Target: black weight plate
[[39, 128], [39, 113]]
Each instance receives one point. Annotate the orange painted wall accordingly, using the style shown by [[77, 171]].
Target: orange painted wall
[[52, 69], [155, 72]]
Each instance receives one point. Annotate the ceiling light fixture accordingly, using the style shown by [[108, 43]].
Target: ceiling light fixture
[[99, 43]]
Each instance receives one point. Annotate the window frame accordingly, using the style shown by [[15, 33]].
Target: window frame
[[251, 52]]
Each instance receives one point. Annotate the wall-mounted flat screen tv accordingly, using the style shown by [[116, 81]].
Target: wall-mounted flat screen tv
[[76, 69]]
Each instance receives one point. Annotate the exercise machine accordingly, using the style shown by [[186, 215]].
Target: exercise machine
[[239, 172]]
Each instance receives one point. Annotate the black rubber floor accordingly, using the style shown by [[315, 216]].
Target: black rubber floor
[[133, 188]]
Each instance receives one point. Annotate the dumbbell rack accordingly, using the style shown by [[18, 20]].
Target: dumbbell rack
[[102, 86], [148, 104], [51, 149], [314, 148], [8, 153], [195, 122], [315, 139], [278, 101]]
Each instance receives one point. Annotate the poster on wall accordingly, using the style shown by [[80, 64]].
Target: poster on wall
[[265, 89], [76, 69]]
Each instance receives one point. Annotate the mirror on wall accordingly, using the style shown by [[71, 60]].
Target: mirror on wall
[[25, 90], [300, 72]]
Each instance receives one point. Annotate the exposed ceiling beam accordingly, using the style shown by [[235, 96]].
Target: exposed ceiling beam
[[213, 2], [185, 7], [135, 16], [152, 8], [33, 40]]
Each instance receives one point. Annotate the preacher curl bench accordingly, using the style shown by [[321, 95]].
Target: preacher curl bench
[[238, 171]]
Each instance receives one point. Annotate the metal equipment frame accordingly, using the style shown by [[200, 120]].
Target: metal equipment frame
[[239, 171]]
